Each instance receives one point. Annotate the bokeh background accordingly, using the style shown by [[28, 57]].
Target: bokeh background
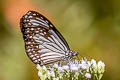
[[91, 27]]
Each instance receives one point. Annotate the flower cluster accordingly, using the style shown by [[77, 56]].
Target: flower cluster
[[73, 70]]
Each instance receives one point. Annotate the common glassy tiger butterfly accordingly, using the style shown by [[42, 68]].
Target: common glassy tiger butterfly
[[44, 44]]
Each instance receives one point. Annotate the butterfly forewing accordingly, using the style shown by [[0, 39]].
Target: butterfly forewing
[[43, 42]]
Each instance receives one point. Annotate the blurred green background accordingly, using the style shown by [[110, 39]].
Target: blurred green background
[[91, 27]]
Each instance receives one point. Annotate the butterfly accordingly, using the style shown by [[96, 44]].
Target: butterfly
[[44, 44]]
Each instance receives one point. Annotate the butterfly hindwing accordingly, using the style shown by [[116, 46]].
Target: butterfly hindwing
[[43, 42]]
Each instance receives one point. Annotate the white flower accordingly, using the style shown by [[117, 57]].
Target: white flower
[[100, 63], [93, 66], [74, 67], [55, 78], [65, 67], [60, 69], [52, 74], [44, 76], [101, 67], [48, 73], [93, 62], [56, 65], [44, 68], [38, 66], [88, 75], [39, 73], [89, 63], [84, 66], [84, 61]]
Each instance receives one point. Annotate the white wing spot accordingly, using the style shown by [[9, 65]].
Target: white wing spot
[[38, 59], [51, 25], [30, 53], [36, 46], [41, 34], [28, 12], [35, 61], [24, 20], [37, 56], [28, 20], [28, 50], [28, 46], [31, 56], [41, 30], [32, 28], [34, 14], [33, 51], [26, 25], [36, 31], [28, 42], [41, 17], [29, 23], [38, 28], [30, 17], [44, 32], [30, 37], [28, 31], [25, 16]]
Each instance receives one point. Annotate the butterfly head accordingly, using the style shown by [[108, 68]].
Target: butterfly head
[[73, 53]]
